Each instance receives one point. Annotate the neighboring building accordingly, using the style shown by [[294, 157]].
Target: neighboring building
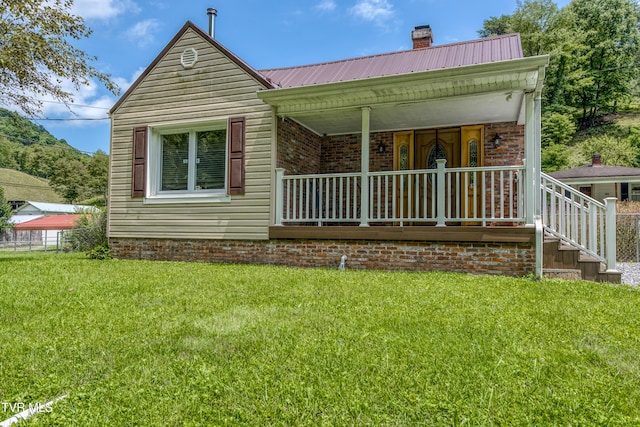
[[411, 160], [599, 181], [49, 227], [29, 211], [44, 209]]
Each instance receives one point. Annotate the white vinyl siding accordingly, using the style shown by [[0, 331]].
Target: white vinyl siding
[[212, 91]]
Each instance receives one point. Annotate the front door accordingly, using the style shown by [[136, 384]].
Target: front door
[[460, 147], [432, 145]]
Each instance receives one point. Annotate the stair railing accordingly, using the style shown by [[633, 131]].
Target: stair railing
[[579, 220]]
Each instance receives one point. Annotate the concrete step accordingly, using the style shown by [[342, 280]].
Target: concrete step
[[562, 273], [563, 261]]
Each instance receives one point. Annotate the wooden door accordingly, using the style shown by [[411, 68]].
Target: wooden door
[[472, 148], [431, 145], [403, 159]]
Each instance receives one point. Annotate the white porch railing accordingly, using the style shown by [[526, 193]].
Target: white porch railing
[[439, 196], [580, 221]]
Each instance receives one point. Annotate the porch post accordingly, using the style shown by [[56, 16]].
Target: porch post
[[610, 229], [537, 151], [532, 192], [279, 196], [364, 168], [539, 245], [440, 211]]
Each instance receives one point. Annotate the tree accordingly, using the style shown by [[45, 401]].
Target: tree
[[69, 178], [5, 212], [554, 158], [535, 20], [36, 55], [614, 152], [98, 170], [603, 44], [496, 26], [557, 129]]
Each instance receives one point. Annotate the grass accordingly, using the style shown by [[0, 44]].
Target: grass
[[21, 186], [159, 343]]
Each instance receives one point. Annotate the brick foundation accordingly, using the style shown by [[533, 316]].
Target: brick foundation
[[508, 259]]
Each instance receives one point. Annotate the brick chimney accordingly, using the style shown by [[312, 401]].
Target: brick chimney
[[422, 36], [595, 160]]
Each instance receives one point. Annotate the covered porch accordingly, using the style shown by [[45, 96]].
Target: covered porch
[[451, 147]]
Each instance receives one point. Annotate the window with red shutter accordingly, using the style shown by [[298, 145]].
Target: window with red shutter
[[200, 162]]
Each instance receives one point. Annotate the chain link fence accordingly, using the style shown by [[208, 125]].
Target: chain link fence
[[35, 240], [628, 237]]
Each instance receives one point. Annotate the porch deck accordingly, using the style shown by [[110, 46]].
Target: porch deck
[[466, 206]]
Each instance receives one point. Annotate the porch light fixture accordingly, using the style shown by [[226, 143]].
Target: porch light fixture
[[382, 148], [497, 140]]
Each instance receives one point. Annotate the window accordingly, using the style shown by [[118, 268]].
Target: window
[[182, 163], [193, 161]]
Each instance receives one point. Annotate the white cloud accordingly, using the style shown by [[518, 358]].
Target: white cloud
[[89, 102], [103, 9], [125, 83], [85, 105], [143, 32], [326, 6], [373, 10]]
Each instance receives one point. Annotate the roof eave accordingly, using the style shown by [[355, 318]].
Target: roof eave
[[600, 180]]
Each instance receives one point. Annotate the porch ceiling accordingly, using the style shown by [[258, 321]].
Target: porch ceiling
[[487, 108], [482, 93]]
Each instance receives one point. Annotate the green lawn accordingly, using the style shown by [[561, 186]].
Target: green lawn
[[168, 344]]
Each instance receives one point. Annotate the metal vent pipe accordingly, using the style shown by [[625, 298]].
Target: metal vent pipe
[[212, 13]]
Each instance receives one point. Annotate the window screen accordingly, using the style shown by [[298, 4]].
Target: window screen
[[175, 162], [210, 159]]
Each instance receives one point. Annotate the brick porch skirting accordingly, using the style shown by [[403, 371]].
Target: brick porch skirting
[[508, 259]]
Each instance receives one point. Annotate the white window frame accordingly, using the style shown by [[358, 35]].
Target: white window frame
[[154, 171]]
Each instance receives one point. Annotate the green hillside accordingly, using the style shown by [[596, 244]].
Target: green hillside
[[29, 148], [20, 186]]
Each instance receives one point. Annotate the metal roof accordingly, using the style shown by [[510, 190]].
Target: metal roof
[[56, 207], [591, 171], [19, 219], [487, 50], [53, 222]]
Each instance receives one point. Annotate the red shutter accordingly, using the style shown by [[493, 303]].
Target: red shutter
[[138, 172], [236, 155]]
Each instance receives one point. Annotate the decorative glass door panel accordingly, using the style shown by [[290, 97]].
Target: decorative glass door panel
[[472, 146], [403, 160]]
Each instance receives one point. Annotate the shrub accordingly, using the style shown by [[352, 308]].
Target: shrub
[[100, 252], [614, 151], [557, 128], [90, 235]]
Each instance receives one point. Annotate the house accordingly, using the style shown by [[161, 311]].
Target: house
[[426, 159], [599, 181]]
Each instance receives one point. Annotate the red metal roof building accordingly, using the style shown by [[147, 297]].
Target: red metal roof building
[[53, 222]]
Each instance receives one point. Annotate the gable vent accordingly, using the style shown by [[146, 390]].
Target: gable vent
[[189, 58]]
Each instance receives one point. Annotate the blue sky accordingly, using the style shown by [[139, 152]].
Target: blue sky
[[129, 34]]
